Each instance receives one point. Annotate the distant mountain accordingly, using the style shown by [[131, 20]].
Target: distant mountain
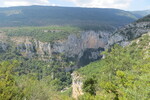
[[144, 19], [47, 15], [141, 13]]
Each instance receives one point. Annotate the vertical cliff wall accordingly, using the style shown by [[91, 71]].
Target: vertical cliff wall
[[80, 49], [132, 31], [76, 85]]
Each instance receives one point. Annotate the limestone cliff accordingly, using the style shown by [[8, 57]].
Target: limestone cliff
[[31, 47], [81, 49], [3, 44], [123, 36], [76, 85], [132, 31], [86, 48]]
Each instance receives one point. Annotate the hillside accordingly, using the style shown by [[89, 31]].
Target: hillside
[[74, 44], [145, 19], [86, 18], [141, 13], [64, 62], [130, 32], [122, 71], [122, 74]]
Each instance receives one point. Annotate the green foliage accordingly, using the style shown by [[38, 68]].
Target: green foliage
[[145, 19], [40, 69], [86, 97], [27, 86], [36, 89], [123, 74], [8, 87], [89, 85], [44, 34], [67, 93]]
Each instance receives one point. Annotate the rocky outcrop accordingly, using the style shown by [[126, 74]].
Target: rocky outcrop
[[76, 85], [3, 46], [81, 49], [75, 45], [90, 55], [124, 35], [89, 42], [31, 47]]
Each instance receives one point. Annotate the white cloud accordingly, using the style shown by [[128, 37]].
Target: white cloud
[[122, 4], [8, 3], [15, 3]]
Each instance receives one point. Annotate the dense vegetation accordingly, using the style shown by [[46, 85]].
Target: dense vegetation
[[32, 79], [122, 75], [16, 87], [86, 18], [145, 19], [44, 34]]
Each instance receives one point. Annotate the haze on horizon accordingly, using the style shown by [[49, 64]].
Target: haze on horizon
[[130, 5]]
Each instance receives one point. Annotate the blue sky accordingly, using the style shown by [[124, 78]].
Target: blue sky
[[120, 4]]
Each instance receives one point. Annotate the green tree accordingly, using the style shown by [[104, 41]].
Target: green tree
[[89, 85], [8, 87]]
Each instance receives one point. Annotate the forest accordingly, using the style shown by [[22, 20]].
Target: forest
[[56, 53], [122, 75]]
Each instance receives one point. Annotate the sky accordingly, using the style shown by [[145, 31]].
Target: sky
[[131, 5]]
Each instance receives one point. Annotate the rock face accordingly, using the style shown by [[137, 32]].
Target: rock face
[[75, 45], [89, 42], [31, 47], [76, 85], [81, 49], [124, 35], [3, 46], [90, 55]]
